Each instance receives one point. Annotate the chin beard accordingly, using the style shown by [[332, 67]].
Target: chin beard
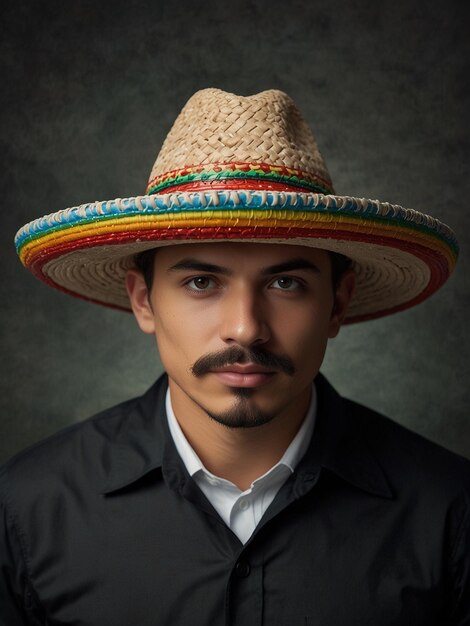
[[243, 414]]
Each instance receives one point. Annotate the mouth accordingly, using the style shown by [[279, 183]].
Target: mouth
[[243, 375]]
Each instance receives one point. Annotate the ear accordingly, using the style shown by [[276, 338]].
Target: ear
[[343, 295], [140, 301]]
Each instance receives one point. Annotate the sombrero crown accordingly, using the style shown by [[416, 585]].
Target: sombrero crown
[[238, 168]]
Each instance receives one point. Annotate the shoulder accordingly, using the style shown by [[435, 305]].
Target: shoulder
[[411, 462], [78, 452], [397, 444], [413, 466]]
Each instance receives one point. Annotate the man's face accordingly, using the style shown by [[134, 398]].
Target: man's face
[[241, 328]]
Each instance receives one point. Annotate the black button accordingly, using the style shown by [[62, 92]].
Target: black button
[[242, 569]]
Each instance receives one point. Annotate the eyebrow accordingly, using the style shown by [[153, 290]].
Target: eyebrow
[[201, 266], [290, 266]]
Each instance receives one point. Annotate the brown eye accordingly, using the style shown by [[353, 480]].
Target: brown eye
[[286, 283], [201, 283]]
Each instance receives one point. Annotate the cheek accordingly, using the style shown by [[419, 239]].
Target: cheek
[[180, 340], [304, 337], [311, 350]]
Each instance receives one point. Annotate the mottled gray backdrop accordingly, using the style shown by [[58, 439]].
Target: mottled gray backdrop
[[89, 91]]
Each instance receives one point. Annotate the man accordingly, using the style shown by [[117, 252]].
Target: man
[[241, 489]]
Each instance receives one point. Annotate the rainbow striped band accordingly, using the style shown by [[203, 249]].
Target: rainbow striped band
[[239, 175], [185, 209]]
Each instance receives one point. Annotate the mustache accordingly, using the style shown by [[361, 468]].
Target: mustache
[[236, 354]]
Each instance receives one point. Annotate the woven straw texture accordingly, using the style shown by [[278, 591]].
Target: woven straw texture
[[215, 126]]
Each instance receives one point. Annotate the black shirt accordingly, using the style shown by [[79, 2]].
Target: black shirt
[[102, 525]]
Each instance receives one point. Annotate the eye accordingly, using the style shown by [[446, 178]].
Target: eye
[[201, 283], [286, 283]]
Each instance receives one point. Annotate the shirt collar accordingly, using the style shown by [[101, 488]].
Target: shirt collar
[[135, 435], [340, 444], [292, 455]]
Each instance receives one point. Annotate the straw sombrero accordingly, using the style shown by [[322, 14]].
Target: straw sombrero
[[246, 169]]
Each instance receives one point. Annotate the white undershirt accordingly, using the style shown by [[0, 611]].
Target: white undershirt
[[243, 510]]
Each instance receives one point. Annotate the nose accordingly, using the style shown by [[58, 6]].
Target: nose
[[243, 320]]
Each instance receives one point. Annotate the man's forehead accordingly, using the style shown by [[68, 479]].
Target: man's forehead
[[233, 252]]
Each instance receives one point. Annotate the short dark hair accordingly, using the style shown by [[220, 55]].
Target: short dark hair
[[340, 264], [144, 262]]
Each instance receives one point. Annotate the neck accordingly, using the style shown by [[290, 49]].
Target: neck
[[240, 455]]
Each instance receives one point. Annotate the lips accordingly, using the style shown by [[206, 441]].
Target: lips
[[243, 375]]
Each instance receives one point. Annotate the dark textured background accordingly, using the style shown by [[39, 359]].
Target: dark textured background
[[89, 91]]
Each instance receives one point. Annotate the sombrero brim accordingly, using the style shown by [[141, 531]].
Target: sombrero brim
[[400, 256]]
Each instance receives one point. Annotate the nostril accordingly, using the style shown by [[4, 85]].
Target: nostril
[[245, 333]]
